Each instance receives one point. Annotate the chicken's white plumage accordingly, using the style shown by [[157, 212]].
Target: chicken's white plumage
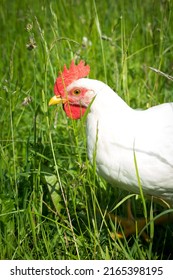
[[115, 133]]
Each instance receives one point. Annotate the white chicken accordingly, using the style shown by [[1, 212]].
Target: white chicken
[[120, 139]]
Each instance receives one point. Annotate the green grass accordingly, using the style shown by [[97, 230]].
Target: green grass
[[52, 203]]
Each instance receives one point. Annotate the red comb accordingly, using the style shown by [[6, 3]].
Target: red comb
[[74, 73]]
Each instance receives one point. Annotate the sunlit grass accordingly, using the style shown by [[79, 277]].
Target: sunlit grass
[[53, 205]]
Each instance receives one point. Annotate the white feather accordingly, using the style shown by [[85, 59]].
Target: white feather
[[115, 132]]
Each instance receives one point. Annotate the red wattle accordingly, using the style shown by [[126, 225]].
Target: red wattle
[[74, 111]]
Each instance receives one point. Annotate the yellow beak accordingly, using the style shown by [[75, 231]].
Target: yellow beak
[[57, 100]]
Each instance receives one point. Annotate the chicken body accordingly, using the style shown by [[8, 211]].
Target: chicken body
[[125, 144], [116, 134]]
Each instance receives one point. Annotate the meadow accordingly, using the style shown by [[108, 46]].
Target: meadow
[[53, 205]]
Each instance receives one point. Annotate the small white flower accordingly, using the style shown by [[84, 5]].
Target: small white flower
[[85, 42]]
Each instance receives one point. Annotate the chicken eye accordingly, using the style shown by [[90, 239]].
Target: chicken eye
[[77, 91]]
